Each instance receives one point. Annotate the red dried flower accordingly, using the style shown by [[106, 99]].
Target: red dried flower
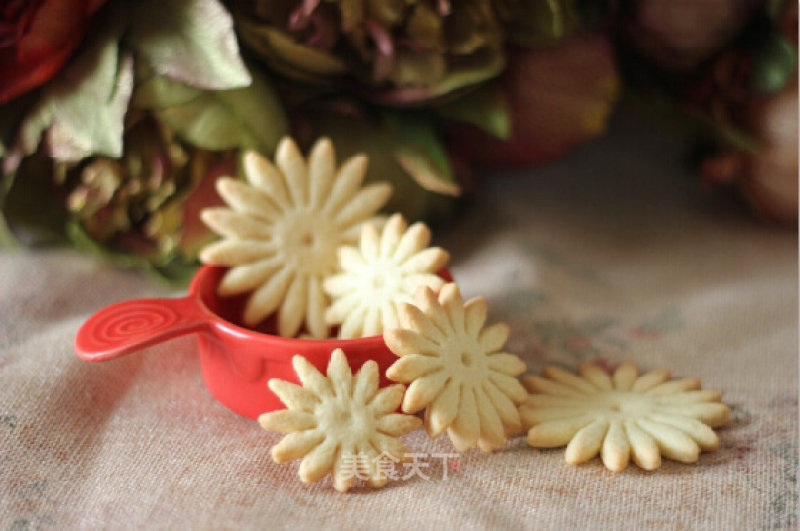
[[36, 39]]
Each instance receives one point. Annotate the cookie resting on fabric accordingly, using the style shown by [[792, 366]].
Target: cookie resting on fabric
[[622, 415]]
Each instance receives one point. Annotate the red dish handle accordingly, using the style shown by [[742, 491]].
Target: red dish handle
[[126, 327]]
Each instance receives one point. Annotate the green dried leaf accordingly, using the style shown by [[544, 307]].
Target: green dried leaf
[[191, 41], [775, 62], [470, 72], [169, 270], [420, 152], [7, 238], [539, 23], [32, 203], [250, 117], [11, 115], [352, 136], [272, 43], [83, 109], [157, 92], [485, 108]]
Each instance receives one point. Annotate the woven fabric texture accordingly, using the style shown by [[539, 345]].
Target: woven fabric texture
[[615, 253]]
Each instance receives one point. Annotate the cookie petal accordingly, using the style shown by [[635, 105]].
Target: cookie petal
[[505, 408], [432, 311], [675, 386], [339, 375], [263, 175], [474, 316], [537, 384], [453, 305], [291, 163], [353, 324], [555, 433], [702, 434], [465, 428], [266, 298], [347, 181], [231, 253], [397, 424], [417, 237], [505, 363], [423, 390], [293, 309], [365, 383], [390, 237], [650, 380], [296, 445], [596, 376], [672, 442], [412, 318], [492, 338], [644, 451], [531, 416], [310, 377], [317, 463], [321, 169], [492, 432], [568, 379], [691, 397], [293, 396], [372, 323], [315, 309], [387, 399], [370, 242], [343, 472], [403, 342], [245, 278], [430, 259], [712, 413], [586, 443], [247, 199], [287, 420], [443, 410], [413, 366], [363, 205], [509, 386], [625, 375], [616, 451]]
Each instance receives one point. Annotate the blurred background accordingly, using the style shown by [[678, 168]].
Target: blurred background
[[114, 123]]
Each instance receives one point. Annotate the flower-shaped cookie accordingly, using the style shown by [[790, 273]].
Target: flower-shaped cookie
[[456, 369], [384, 271], [339, 423], [621, 416], [283, 230]]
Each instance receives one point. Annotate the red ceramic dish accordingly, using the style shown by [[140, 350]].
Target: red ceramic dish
[[236, 362]]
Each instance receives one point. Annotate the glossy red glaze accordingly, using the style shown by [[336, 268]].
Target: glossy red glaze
[[237, 362]]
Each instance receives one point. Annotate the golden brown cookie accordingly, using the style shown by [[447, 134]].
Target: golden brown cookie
[[456, 369], [621, 416], [385, 269], [339, 423], [283, 228]]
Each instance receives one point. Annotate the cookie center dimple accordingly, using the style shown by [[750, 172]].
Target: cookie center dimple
[[341, 416], [306, 239], [466, 359], [347, 420], [383, 282], [627, 404], [378, 282], [307, 243]]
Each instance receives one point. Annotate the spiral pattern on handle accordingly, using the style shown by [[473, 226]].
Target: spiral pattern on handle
[[124, 323]]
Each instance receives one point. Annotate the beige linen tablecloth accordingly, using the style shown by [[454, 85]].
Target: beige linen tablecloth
[[615, 253]]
